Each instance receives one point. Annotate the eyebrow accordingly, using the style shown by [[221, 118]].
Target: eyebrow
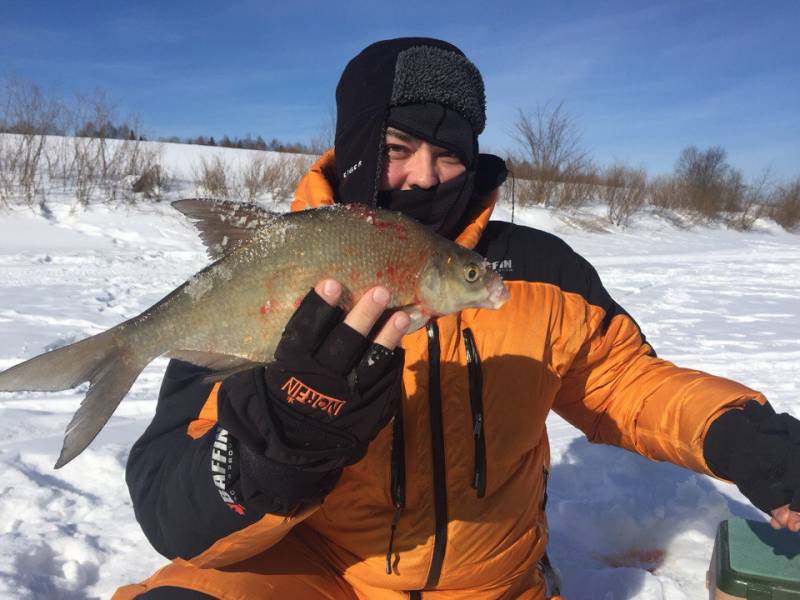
[[401, 135]]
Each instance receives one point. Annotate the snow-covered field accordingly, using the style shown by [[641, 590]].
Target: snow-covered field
[[622, 527]]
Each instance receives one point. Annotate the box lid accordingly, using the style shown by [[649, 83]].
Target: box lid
[[753, 556]]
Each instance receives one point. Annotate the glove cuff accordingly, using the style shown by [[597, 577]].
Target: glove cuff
[[737, 449], [280, 489]]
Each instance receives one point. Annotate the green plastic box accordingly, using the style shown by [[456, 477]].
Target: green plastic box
[[754, 561]]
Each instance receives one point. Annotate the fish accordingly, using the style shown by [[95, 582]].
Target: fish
[[230, 315]]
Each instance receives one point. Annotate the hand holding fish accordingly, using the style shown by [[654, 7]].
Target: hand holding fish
[[329, 392]]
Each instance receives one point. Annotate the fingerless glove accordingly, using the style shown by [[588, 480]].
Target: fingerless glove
[[301, 419]]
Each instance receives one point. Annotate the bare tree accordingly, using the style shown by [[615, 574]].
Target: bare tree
[[551, 151]]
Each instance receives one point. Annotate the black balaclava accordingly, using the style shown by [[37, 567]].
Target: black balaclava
[[427, 88]]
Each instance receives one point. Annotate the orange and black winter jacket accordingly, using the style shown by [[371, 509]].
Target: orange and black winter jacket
[[471, 471]]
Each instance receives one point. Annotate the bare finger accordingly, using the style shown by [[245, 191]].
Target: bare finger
[[793, 521], [780, 517], [368, 310], [329, 290], [393, 330]]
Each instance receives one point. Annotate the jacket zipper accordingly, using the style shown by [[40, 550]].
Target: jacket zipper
[[398, 481], [476, 404], [437, 447]]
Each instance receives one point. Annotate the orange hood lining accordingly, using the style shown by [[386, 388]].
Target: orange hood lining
[[316, 189]]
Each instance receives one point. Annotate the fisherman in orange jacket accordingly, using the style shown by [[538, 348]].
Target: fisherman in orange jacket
[[430, 482]]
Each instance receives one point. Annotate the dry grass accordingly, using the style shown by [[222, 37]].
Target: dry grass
[[213, 177], [268, 179]]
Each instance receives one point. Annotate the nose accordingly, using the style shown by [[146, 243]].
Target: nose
[[422, 170]]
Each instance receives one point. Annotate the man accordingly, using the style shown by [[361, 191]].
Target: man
[[254, 495]]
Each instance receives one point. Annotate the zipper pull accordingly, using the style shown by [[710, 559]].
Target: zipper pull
[[477, 428], [395, 519]]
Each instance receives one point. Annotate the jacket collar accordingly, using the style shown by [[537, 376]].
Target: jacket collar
[[316, 189]]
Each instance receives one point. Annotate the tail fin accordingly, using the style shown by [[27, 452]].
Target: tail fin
[[98, 360]]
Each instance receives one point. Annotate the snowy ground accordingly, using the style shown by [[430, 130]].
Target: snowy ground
[[622, 527]]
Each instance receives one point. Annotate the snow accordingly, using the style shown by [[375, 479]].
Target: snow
[[621, 526]]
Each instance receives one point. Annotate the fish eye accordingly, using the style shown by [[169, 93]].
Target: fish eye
[[472, 273]]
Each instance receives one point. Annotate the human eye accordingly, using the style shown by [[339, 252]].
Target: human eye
[[449, 157], [395, 150]]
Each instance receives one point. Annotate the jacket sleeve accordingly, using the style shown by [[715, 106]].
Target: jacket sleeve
[[618, 392], [183, 479]]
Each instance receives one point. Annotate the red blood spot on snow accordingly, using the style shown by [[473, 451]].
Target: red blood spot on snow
[[642, 558]]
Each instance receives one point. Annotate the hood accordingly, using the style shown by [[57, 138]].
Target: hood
[[391, 74]]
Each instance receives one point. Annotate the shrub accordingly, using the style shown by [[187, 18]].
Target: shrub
[[8, 168], [84, 169], [283, 174], [785, 208], [152, 183], [709, 185], [665, 192], [254, 179], [752, 203], [213, 177], [623, 191]]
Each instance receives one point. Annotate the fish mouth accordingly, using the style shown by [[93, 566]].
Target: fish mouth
[[498, 294]]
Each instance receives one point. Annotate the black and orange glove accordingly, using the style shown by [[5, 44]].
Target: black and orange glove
[[314, 410], [759, 451]]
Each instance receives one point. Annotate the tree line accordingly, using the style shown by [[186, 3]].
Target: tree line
[[552, 167], [102, 153]]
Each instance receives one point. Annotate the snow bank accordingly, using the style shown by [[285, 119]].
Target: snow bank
[[622, 527]]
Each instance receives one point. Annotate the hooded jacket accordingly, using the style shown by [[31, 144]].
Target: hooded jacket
[[462, 473]]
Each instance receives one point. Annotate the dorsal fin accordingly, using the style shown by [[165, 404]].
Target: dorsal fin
[[223, 225]]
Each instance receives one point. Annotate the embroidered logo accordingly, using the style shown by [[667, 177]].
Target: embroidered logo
[[350, 170], [297, 391], [221, 470], [502, 266]]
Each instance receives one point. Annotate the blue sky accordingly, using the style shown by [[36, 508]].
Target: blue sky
[[642, 79]]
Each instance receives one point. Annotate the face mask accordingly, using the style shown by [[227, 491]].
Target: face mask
[[440, 207]]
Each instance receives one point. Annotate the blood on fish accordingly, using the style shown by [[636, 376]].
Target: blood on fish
[[379, 274], [298, 301], [386, 225], [264, 310], [376, 221]]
